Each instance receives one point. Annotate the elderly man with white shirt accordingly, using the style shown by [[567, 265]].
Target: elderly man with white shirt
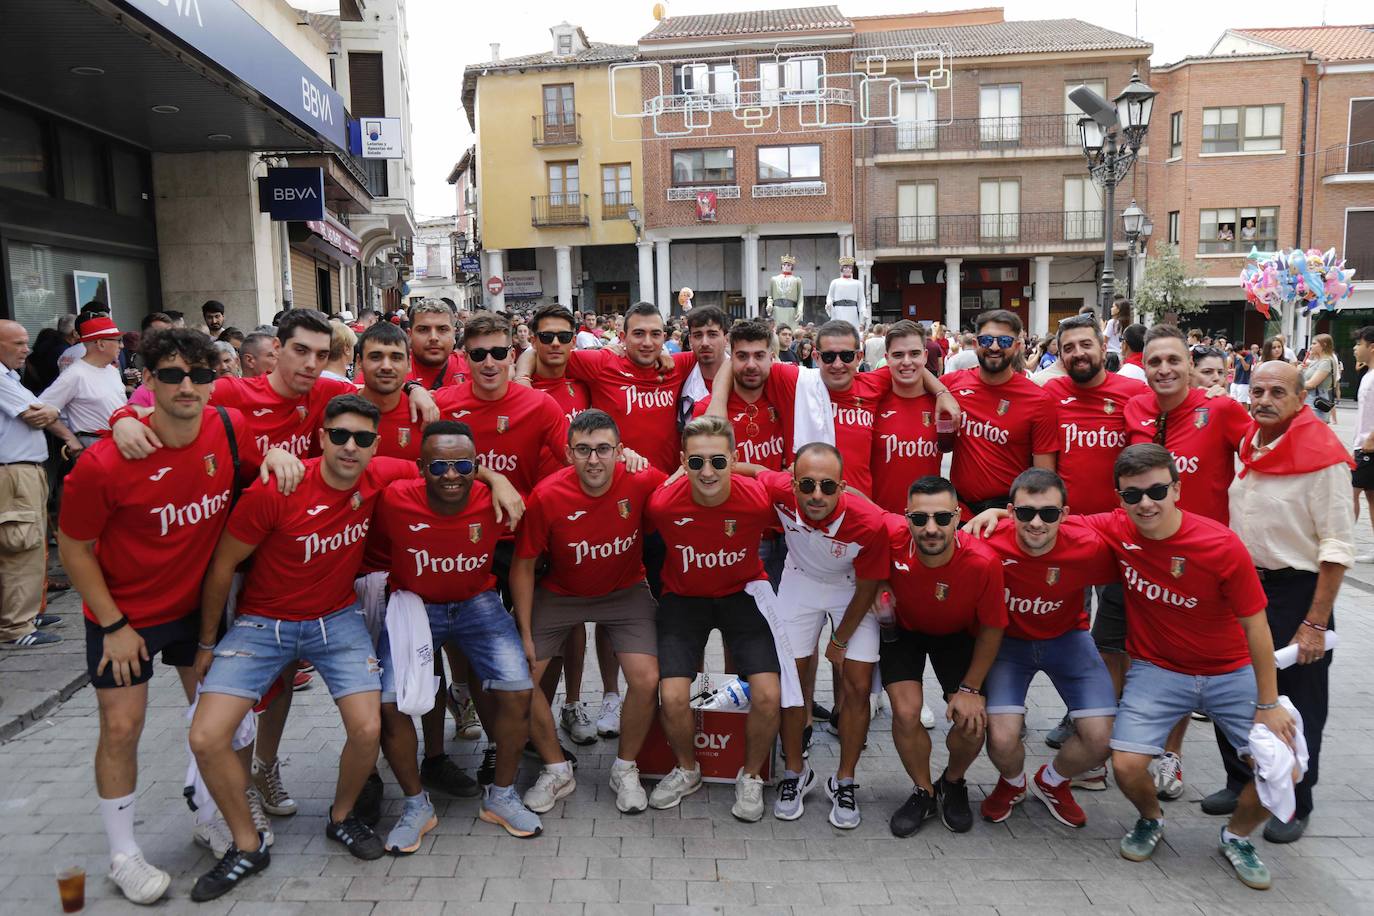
[[1291, 507], [23, 499], [90, 389]]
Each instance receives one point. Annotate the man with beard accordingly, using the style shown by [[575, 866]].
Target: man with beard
[[383, 361], [706, 336], [433, 336]]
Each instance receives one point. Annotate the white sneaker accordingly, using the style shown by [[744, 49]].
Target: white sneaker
[[137, 880], [468, 727], [214, 836], [260, 820], [748, 798], [630, 797], [674, 787], [552, 785], [1169, 777], [608, 720], [577, 723], [927, 717]]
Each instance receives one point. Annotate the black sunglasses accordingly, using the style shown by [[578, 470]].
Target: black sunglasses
[[1048, 514], [697, 462], [919, 519], [340, 436], [463, 466], [844, 356], [1132, 495], [1004, 341], [200, 375], [480, 354], [548, 337], [808, 486]]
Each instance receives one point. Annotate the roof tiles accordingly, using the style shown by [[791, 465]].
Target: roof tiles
[[1328, 42], [751, 22]]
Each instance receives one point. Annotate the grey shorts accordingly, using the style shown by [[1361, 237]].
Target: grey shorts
[[627, 615]]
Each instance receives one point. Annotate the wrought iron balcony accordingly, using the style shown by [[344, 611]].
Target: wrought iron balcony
[[556, 129], [975, 230], [616, 204], [970, 135], [558, 210], [1348, 160]]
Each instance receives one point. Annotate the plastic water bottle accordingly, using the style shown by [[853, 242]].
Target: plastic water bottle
[[887, 617], [733, 695]]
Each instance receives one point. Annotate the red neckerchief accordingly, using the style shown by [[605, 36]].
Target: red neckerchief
[[1135, 359], [1308, 445]]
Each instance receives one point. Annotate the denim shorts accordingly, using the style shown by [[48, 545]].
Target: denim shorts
[[1156, 698], [256, 649], [1070, 661], [483, 630]]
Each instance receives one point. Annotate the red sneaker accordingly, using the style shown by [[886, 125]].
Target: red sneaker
[[305, 666], [301, 681], [1005, 796], [1059, 800]]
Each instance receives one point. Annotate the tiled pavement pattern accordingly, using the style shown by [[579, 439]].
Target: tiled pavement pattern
[[697, 859]]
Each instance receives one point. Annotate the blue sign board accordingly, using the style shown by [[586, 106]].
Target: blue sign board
[[292, 194], [470, 265], [233, 40]]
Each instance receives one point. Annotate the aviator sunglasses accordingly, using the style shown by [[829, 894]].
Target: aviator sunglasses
[[919, 519], [808, 486], [461, 466], [697, 462]]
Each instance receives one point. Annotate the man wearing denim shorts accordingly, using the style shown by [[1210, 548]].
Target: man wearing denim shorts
[[297, 602], [1198, 639], [1047, 562]]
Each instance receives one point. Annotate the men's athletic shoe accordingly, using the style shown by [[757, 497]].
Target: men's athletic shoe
[[464, 711], [792, 789], [441, 774], [1094, 780], [214, 836], [819, 712], [486, 770], [1062, 732], [954, 809], [927, 717], [674, 787], [45, 621], [501, 805], [608, 719], [844, 808], [35, 640], [996, 808], [358, 838], [1249, 869], [229, 872], [807, 732], [532, 753], [417, 818], [1169, 777], [577, 723], [1059, 799], [1201, 716], [748, 805], [137, 880], [831, 727], [368, 807], [267, 780], [307, 666], [261, 823], [1140, 843], [1222, 801], [302, 680], [915, 811], [552, 786], [630, 797]]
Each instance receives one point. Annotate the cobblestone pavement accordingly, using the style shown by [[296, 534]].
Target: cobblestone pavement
[[698, 859]]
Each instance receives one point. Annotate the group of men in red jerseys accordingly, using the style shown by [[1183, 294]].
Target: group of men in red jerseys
[[472, 482]]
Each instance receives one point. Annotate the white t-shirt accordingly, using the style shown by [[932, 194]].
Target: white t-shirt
[[70, 355], [86, 396], [586, 340], [1131, 370], [1364, 414], [966, 358]]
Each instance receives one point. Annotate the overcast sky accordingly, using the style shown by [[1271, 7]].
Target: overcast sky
[[445, 35]]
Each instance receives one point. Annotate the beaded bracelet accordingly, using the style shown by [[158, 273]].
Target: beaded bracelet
[[1315, 626], [837, 644]]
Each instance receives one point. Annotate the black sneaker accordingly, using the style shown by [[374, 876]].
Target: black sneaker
[[954, 809], [441, 774], [533, 754], [918, 809], [806, 742], [820, 713], [368, 807], [357, 837], [231, 869], [486, 772]]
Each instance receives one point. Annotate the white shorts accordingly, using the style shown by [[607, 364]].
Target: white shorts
[[805, 603], [1240, 393]]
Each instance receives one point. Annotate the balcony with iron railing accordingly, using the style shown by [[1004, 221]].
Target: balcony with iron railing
[[1356, 160], [997, 230], [991, 136], [558, 210], [616, 204], [556, 129]]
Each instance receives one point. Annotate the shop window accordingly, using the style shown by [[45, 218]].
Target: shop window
[[84, 178], [23, 152]]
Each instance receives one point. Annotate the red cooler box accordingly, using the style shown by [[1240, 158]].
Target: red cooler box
[[719, 745]]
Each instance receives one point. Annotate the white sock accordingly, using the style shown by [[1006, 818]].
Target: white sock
[[1019, 781], [118, 816], [622, 764], [1052, 777], [463, 692], [564, 768], [1227, 836]]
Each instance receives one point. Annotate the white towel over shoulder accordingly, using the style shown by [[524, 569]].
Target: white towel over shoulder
[[1274, 764], [811, 412], [412, 653]]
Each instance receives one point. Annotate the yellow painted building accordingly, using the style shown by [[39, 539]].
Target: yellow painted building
[[557, 180]]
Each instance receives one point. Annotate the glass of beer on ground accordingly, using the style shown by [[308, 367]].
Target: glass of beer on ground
[[71, 885]]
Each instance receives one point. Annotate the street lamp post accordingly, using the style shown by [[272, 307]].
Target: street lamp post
[[1138, 229], [1111, 135]]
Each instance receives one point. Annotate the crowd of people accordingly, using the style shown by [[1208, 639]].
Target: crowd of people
[[426, 509]]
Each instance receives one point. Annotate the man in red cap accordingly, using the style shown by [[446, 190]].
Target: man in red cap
[[91, 388]]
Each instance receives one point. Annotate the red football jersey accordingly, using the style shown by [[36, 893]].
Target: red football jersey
[[904, 447], [1185, 594], [398, 437], [309, 544], [511, 432], [571, 396], [1092, 432], [1044, 594], [1204, 435], [965, 593], [643, 402], [441, 558], [453, 372], [758, 430], [712, 551], [1003, 427], [278, 422], [595, 545], [156, 520]]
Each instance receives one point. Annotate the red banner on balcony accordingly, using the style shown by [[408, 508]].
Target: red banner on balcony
[[706, 206]]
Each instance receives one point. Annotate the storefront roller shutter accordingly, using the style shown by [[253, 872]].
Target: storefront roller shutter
[[303, 286]]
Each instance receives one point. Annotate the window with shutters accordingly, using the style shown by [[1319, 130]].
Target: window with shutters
[[1359, 241], [616, 194], [366, 85], [1082, 209], [916, 212], [999, 208], [1360, 152]]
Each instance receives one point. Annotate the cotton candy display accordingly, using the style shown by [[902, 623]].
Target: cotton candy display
[[1311, 280]]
